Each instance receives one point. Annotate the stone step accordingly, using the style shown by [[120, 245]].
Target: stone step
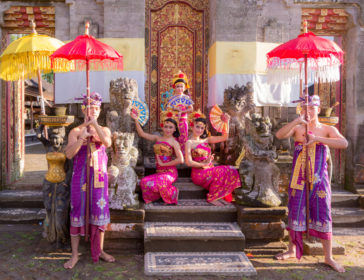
[[188, 190], [193, 237], [189, 210], [229, 264], [262, 247], [21, 215], [21, 199], [348, 217], [343, 198], [124, 238], [360, 188]]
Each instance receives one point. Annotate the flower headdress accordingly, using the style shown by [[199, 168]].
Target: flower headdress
[[95, 100], [169, 114], [180, 77]]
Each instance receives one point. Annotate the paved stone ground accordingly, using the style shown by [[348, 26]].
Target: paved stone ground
[[24, 254]]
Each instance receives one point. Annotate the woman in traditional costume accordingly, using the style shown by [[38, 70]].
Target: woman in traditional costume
[[181, 86], [160, 185], [220, 181], [100, 138]]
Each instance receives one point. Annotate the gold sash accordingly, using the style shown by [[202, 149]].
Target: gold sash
[[301, 165], [98, 172]]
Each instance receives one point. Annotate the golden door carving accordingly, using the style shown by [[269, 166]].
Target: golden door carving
[[175, 40]]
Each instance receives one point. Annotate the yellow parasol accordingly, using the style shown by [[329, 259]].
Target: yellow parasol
[[27, 57]]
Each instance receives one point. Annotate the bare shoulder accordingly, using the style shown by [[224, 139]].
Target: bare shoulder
[[76, 130], [106, 130]]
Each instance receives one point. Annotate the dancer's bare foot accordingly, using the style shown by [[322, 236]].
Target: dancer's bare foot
[[216, 203], [71, 262], [285, 255], [106, 257], [335, 265]]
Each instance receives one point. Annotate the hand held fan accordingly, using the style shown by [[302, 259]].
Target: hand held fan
[[141, 109], [218, 120]]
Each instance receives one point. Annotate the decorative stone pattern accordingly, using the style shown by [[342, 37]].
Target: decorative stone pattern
[[192, 229], [221, 263], [190, 204]]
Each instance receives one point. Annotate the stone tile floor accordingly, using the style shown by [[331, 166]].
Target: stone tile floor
[[24, 254]]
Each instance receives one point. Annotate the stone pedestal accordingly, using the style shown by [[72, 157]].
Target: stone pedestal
[[263, 228]]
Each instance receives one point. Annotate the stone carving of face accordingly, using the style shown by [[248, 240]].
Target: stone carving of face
[[123, 91], [239, 103], [122, 143], [56, 137], [262, 125]]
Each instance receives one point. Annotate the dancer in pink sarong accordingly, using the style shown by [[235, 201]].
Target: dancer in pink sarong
[[99, 208], [321, 137], [220, 181], [160, 185]]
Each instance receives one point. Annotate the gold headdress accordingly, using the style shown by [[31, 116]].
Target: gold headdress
[[195, 115], [169, 114], [180, 77]]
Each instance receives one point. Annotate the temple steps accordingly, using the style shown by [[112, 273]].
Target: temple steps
[[189, 210], [347, 217], [21, 206], [343, 198], [22, 215], [188, 190], [193, 237], [21, 198]]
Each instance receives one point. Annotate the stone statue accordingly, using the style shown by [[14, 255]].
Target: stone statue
[[122, 93], [260, 175], [122, 177], [56, 186], [238, 103]]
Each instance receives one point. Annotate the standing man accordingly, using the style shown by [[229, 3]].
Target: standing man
[[321, 137], [100, 138]]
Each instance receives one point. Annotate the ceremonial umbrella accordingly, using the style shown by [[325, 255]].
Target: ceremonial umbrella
[[319, 57], [85, 53], [28, 56]]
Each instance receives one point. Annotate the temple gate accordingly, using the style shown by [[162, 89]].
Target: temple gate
[[176, 39]]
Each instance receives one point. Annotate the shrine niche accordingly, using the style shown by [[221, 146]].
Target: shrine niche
[[175, 40]]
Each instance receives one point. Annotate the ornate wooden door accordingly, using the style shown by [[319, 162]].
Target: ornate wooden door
[[175, 40]]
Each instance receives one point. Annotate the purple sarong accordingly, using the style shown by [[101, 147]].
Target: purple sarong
[[99, 201], [320, 223]]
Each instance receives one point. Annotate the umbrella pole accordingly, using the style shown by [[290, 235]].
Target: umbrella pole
[[88, 152], [306, 155], [42, 108]]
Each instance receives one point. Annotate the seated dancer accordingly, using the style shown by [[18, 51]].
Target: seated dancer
[[220, 181], [180, 85], [159, 185], [100, 138], [321, 137]]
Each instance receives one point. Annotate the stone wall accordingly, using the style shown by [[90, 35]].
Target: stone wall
[[124, 18]]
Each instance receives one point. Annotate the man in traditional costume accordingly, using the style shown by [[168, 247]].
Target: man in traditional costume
[[321, 137], [100, 138]]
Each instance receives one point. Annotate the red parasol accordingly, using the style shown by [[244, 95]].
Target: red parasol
[[321, 59], [85, 53]]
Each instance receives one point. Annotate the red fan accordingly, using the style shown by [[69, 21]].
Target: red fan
[[217, 119]]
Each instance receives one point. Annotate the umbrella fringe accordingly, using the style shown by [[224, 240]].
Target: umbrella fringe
[[323, 69], [13, 66], [65, 65], [327, 74]]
